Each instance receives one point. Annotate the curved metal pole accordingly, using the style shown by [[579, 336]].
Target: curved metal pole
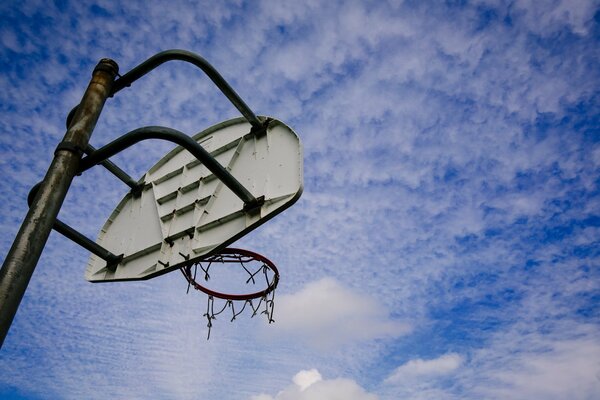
[[172, 135], [187, 56]]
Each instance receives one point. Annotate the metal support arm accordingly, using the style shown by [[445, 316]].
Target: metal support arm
[[192, 58], [70, 233], [187, 56], [136, 188], [172, 135]]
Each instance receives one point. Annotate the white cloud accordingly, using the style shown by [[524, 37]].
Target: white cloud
[[546, 17], [422, 369], [519, 363], [522, 365], [325, 313], [305, 378], [309, 385]]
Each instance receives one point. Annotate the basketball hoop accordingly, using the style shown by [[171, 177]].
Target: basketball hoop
[[194, 201], [257, 268]]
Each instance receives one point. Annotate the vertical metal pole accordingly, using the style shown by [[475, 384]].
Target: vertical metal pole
[[27, 248]]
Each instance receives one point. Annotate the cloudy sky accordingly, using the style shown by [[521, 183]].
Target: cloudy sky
[[447, 242]]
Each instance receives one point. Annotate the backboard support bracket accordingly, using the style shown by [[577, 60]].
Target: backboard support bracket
[[260, 131], [100, 156], [254, 206]]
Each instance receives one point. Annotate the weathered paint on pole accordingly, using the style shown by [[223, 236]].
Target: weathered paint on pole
[[27, 247]]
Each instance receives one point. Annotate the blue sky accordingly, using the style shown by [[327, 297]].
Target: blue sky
[[445, 246]]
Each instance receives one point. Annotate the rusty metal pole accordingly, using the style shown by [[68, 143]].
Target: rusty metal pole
[[27, 247]]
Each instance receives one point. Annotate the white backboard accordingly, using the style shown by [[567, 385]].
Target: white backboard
[[184, 212]]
